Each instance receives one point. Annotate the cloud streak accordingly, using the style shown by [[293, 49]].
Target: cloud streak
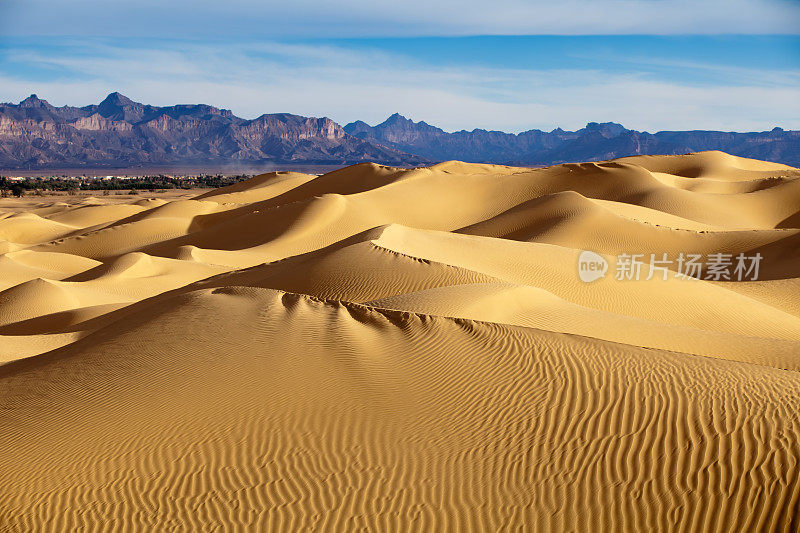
[[368, 18]]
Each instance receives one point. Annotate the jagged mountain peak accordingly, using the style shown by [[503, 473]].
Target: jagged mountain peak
[[400, 123], [356, 125], [117, 106], [33, 101], [607, 129], [396, 118], [118, 99]]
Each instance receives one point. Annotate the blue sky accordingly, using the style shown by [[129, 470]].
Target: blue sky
[[512, 65]]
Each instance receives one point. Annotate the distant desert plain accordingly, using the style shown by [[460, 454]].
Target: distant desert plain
[[455, 347]]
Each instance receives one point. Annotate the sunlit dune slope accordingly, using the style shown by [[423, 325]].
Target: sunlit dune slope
[[408, 349]]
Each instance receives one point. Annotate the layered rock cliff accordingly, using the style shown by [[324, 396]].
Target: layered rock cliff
[[120, 132]]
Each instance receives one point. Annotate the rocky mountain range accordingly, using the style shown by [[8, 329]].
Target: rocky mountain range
[[595, 142], [119, 132], [122, 133]]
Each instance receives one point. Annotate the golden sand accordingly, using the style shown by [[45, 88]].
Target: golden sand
[[390, 349]]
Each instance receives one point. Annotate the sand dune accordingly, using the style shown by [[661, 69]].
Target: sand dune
[[406, 349]]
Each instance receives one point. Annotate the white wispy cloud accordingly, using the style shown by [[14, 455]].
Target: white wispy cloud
[[350, 84], [354, 18]]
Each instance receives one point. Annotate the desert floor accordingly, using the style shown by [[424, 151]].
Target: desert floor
[[391, 349], [30, 201]]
